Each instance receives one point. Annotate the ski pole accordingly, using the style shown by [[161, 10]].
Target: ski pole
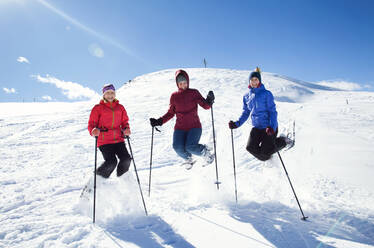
[[215, 150], [94, 203], [137, 176], [150, 165], [233, 161], [289, 180]]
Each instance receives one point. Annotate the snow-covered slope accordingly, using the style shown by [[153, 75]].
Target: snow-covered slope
[[47, 156]]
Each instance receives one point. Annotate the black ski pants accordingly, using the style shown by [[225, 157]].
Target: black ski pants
[[262, 145], [110, 151]]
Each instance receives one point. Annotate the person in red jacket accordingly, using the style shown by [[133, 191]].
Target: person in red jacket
[[110, 123], [187, 130]]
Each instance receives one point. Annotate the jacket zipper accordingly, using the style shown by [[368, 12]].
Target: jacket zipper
[[114, 131]]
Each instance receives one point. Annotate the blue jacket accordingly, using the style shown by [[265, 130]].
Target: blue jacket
[[259, 104]]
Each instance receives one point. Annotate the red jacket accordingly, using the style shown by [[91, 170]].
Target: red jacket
[[183, 104], [111, 117]]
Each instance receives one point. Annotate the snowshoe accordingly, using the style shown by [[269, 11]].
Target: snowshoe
[[188, 163]]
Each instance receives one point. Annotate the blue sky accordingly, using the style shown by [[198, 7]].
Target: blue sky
[[65, 50]]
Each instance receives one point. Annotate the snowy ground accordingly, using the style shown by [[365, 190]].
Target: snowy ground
[[47, 156]]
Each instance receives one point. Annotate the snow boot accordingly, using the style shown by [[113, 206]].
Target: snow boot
[[208, 157], [289, 142], [188, 163], [284, 141]]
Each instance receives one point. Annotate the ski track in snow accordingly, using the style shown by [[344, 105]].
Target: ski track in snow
[[47, 157]]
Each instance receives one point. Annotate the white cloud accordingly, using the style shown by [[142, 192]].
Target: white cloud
[[47, 98], [70, 89], [10, 91], [341, 84], [96, 51], [23, 60]]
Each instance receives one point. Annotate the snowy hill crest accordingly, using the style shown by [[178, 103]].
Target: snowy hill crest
[[47, 156]]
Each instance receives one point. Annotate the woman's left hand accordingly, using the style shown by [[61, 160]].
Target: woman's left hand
[[126, 132]]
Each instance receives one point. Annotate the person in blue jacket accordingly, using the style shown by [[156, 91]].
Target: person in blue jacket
[[259, 104]]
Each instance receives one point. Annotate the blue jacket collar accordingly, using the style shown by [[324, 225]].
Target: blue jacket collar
[[258, 89]]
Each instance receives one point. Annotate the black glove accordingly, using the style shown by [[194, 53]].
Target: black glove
[[232, 125], [155, 122], [210, 98]]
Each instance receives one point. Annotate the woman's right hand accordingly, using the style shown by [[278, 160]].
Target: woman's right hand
[[95, 132], [232, 125], [155, 122]]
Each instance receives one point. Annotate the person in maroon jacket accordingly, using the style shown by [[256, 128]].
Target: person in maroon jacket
[[110, 123], [187, 130]]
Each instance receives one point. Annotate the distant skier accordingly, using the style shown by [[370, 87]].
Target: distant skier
[[109, 122], [187, 130], [259, 104]]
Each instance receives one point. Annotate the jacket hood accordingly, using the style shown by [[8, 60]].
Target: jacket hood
[[184, 73]]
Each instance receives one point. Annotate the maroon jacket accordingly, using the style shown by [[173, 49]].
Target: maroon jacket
[[183, 103]]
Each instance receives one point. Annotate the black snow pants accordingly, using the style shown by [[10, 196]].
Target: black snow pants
[[110, 151], [262, 146]]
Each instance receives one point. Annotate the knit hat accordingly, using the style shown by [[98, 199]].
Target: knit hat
[[255, 74], [108, 87], [181, 78]]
